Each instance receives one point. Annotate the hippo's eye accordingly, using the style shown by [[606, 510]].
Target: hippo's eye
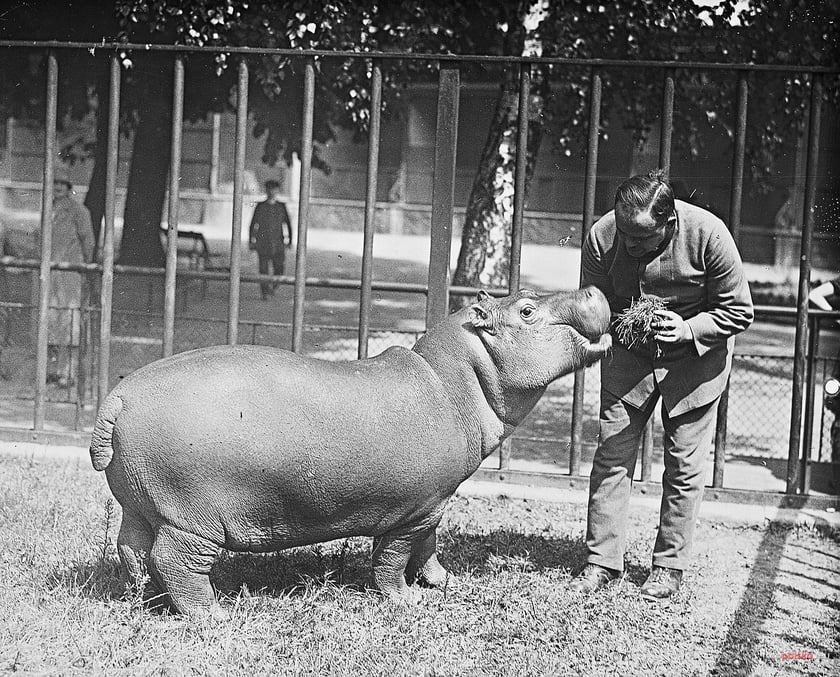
[[527, 312]]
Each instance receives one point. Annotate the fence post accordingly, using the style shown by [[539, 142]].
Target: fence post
[[106, 292], [647, 451], [810, 394], [443, 195], [590, 181], [667, 124], [720, 437], [170, 279], [46, 242], [800, 354], [521, 175], [370, 209], [238, 190], [735, 198], [303, 203], [665, 134]]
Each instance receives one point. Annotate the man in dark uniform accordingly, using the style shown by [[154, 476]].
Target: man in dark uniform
[[267, 236], [655, 245]]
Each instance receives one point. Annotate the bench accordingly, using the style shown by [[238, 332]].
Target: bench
[[192, 245]]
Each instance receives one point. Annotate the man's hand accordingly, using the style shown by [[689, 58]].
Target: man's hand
[[671, 328]]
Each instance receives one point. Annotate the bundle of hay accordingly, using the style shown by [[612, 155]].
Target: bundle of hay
[[635, 325]]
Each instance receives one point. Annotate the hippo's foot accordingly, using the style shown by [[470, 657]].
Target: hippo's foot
[[431, 574], [424, 567], [403, 597]]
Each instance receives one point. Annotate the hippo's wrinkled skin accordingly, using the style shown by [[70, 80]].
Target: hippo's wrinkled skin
[[257, 449]]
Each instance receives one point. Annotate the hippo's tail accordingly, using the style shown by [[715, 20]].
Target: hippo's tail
[[101, 439]]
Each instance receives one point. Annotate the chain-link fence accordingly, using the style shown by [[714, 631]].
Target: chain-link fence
[[758, 421]]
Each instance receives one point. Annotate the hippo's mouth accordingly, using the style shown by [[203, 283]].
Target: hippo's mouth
[[595, 350]]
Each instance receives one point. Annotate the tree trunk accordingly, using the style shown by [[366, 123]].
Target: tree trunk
[[95, 197], [149, 172], [484, 257]]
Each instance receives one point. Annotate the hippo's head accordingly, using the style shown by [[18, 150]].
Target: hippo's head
[[534, 339]]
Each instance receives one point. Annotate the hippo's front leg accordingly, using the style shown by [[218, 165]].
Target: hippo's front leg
[[424, 567], [391, 554]]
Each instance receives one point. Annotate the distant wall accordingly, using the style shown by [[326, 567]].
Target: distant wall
[[404, 185]]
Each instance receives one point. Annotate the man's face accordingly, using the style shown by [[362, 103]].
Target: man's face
[[642, 235], [60, 189]]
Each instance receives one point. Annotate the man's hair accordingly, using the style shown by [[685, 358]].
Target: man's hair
[[647, 191], [271, 184]]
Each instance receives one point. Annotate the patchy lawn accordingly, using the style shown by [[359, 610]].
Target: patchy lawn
[[760, 601]]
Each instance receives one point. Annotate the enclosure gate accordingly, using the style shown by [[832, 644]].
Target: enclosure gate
[[438, 288]]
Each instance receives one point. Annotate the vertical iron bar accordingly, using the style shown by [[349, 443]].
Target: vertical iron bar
[[106, 293], [590, 180], [518, 209], [799, 359], [735, 200], [720, 438], [647, 451], [667, 123], [170, 278], [521, 172], [215, 153], [810, 393], [240, 143], [665, 134], [443, 195], [303, 204], [370, 209], [46, 242], [738, 156]]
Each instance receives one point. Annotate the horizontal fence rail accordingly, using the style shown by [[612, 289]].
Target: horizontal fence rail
[[438, 290]]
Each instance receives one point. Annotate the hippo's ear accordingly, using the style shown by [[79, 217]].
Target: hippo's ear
[[480, 318], [482, 295]]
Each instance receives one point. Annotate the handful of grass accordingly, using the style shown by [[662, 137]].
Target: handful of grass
[[635, 325]]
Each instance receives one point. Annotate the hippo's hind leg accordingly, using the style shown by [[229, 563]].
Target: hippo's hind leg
[[423, 565], [134, 545], [182, 562]]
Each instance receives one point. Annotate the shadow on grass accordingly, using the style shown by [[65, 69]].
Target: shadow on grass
[[739, 651], [345, 563], [96, 580], [287, 572]]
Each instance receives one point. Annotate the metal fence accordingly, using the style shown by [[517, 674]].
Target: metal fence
[[437, 289]]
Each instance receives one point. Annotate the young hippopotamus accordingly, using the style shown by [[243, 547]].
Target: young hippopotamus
[[256, 449]]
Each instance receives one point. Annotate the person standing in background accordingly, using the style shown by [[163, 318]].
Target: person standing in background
[[267, 236], [73, 241], [826, 296]]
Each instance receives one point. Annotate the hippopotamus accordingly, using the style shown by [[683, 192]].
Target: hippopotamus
[[257, 449]]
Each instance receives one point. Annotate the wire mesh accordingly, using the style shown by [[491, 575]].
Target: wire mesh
[[759, 404]]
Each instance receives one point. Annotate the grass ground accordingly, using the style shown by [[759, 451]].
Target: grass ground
[[753, 598]]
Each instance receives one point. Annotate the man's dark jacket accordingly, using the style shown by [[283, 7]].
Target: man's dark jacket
[[699, 273]]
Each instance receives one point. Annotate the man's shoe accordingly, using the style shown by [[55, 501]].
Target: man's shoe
[[592, 578], [662, 584]]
